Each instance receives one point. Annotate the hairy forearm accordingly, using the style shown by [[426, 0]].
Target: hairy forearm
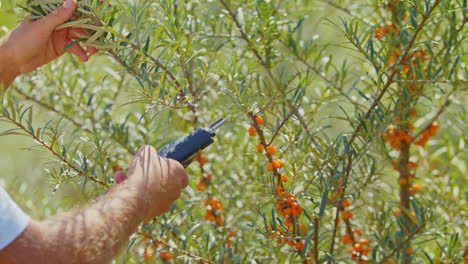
[[7, 72], [93, 234]]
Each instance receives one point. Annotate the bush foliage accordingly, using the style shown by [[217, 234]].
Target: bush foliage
[[346, 134]]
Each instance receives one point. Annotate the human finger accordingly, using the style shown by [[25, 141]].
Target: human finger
[[91, 50], [58, 16], [78, 51]]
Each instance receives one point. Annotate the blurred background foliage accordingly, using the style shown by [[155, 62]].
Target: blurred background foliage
[[300, 64]]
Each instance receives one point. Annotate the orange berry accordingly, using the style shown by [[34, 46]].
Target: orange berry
[[300, 246], [166, 256], [284, 178], [209, 176], [358, 232], [259, 147], [277, 164], [259, 120], [202, 159], [358, 247], [403, 181], [415, 187], [408, 250], [271, 150], [347, 215], [365, 251], [347, 239], [397, 212], [363, 241], [116, 168], [345, 203], [380, 32], [216, 205], [209, 215], [296, 209], [302, 227], [270, 166], [202, 185], [279, 190], [251, 131], [149, 255], [219, 220]]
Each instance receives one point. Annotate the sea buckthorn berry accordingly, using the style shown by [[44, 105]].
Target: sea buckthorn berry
[[296, 209], [300, 246], [347, 215], [202, 158], [259, 120], [365, 251], [202, 184], [358, 232], [251, 131], [347, 239], [209, 215], [209, 176], [116, 168], [277, 164], [149, 255], [271, 150], [259, 147], [302, 227], [270, 166], [397, 212], [363, 241], [403, 181], [219, 220], [166, 256], [358, 247], [415, 187], [380, 32], [345, 203], [284, 178], [288, 222]]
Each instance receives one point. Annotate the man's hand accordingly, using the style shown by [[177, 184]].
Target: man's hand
[[160, 180], [95, 233], [35, 43]]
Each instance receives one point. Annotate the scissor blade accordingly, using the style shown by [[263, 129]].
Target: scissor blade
[[214, 126]]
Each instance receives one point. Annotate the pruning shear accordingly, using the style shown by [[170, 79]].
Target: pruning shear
[[185, 148]]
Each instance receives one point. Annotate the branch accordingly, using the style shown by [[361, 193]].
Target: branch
[[50, 148]]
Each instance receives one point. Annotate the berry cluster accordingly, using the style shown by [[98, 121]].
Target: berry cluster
[[287, 204], [213, 211], [150, 257], [213, 207]]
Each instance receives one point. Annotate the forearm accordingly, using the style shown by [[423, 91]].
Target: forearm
[[7, 72], [93, 234]]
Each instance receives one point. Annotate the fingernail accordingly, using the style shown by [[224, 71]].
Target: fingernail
[[68, 4]]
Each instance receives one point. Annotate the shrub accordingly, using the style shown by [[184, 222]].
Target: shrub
[[346, 134]]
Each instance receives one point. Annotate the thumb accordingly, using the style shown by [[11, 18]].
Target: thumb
[[59, 15]]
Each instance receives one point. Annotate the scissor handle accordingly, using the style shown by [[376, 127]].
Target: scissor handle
[[184, 148]]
